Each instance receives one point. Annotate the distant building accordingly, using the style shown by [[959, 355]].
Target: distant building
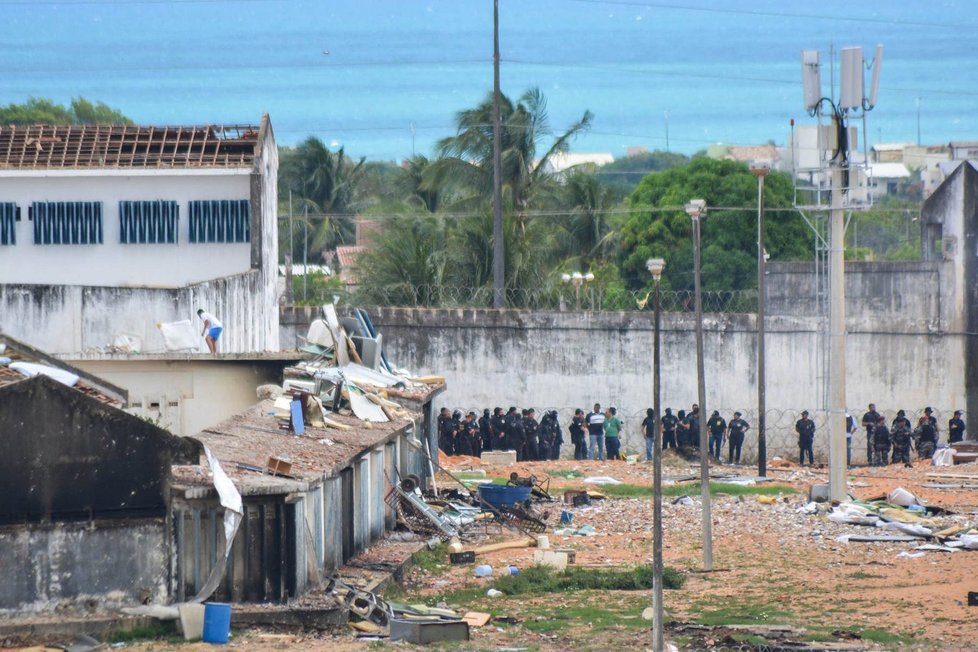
[[887, 152], [963, 150], [753, 155], [887, 179], [563, 161]]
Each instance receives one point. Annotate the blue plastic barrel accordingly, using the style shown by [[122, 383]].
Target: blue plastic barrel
[[503, 495], [217, 622]]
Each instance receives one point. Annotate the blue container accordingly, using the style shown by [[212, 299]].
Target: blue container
[[566, 517], [217, 622], [503, 495]]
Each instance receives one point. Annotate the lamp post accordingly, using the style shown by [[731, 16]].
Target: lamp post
[[655, 267], [577, 279], [760, 173], [695, 209]]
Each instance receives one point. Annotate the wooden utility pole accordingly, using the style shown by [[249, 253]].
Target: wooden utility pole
[[498, 246]]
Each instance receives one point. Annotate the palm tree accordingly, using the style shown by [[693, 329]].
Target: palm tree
[[325, 185], [587, 232], [466, 157]]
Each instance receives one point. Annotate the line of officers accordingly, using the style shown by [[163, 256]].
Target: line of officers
[[901, 435], [515, 430]]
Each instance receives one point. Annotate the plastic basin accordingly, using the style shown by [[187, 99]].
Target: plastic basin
[[503, 495]]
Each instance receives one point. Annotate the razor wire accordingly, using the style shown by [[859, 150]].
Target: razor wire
[[559, 298]]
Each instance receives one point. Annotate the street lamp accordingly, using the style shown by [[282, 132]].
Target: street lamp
[[578, 280], [760, 173], [655, 267], [695, 209]]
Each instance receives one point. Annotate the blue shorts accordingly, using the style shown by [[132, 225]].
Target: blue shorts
[[215, 333]]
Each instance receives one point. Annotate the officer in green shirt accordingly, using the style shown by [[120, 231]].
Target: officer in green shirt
[[612, 426]]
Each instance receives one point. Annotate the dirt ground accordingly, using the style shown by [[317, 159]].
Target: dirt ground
[[774, 565]]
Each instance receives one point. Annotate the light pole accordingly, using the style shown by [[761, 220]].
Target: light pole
[[655, 267], [577, 279], [498, 247], [695, 209], [760, 173]]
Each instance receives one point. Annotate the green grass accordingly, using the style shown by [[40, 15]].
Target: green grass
[[543, 579], [570, 474], [860, 575], [431, 560], [641, 491], [597, 619], [742, 614], [151, 632]]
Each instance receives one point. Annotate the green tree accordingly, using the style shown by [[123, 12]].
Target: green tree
[[729, 233], [588, 231], [622, 175], [465, 163], [38, 110], [326, 185]]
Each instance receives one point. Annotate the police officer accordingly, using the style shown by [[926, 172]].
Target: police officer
[[576, 429], [549, 433], [463, 437], [870, 418], [900, 434], [446, 432], [648, 429], [805, 428], [955, 428], [498, 424], [682, 429], [514, 433], [558, 436], [881, 442], [926, 436], [485, 430], [669, 422], [717, 426], [473, 434], [737, 427], [531, 430]]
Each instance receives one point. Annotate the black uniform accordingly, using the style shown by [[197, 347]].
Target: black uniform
[[516, 438], [499, 424], [881, 444], [485, 430], [870, 419], [558, 438], [737, 429], [805, 428], [955, 430], [901, 441], [531, 430], [446, 434], [577, 437], [549, 437], [669, 422], [926, 436]]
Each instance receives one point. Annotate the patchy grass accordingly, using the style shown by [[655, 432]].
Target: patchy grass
[[860, 575], [595, 618], [156, 631], [570, 474], [642, 491], [431, 560], [542, 579]]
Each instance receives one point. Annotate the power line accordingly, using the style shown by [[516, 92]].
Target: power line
[[776, 14]]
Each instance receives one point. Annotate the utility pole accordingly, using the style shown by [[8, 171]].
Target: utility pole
[[289, 294], [655, 267], [760, 173], [498, 247], [837, 340], [695, 209]]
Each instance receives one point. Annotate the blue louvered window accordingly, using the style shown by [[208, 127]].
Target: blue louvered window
[[8, 223], [148, 222], [67, 222], [226, 220]]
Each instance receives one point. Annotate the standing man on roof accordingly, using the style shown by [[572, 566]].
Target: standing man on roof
[[212, 329]]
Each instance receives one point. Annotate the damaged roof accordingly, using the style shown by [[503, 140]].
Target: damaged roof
[[18, 351], [43, 146], [253, 436]]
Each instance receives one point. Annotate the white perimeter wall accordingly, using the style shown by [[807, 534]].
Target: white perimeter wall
[[111, 263]]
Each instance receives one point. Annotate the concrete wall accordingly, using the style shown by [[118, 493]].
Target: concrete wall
[[112, 263], [117, 563], [186, 396]]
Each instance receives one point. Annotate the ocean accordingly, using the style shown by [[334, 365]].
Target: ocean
[[384, 78]]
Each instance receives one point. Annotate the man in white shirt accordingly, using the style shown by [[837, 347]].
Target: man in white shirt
[[212, 329], [595, 429]]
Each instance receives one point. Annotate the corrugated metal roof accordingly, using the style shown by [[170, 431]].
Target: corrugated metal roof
[[99, 146]]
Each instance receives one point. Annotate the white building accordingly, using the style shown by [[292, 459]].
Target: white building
[[106, 231]]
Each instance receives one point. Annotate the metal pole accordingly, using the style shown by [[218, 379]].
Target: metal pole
[[498, 248], [305, 251], [701, 385], [577, 295], [289, 296], [658, 637], [837, 343], [760, 173]]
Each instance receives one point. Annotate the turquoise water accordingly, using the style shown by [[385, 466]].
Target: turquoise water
[[385, 77]]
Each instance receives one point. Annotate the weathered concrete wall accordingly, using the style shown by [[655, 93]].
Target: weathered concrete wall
[[900, 354], [116, 563], [73, 319]]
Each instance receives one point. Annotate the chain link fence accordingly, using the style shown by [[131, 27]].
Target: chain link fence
[[780, 435], [557, 298]]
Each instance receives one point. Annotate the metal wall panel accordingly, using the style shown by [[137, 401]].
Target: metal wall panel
[[8, 223], [148, 222], [65, 222], [221, 221]]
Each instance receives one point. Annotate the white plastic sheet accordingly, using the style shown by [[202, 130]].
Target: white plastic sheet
[[31, 369], [179, 335], [233, 512]]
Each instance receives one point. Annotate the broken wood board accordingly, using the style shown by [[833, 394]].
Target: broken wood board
[[430, 380], [505, 545], [477, 618], [869, 538]]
